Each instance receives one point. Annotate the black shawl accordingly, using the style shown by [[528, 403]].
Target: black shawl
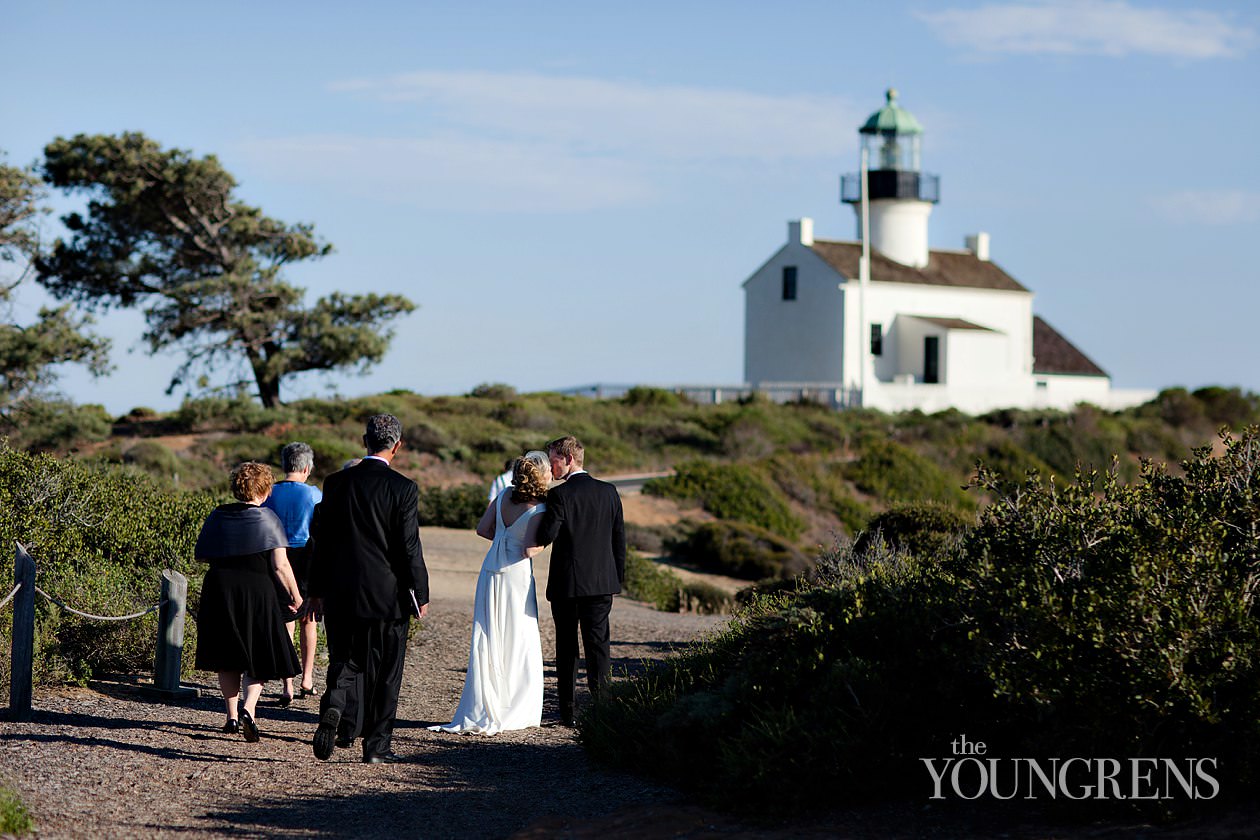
[[236, 529]]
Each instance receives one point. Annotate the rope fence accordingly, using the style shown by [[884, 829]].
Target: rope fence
[[171, 609], [54, 599], [9, 597]]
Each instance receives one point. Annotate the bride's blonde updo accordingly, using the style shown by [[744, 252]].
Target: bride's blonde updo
[[531, 475]]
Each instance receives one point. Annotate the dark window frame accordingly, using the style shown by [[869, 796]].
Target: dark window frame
[[877, 339]]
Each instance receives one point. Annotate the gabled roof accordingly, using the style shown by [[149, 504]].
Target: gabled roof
[[945, 268], [951, 323], [1052, 353]]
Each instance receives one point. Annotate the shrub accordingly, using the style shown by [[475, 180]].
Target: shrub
[[153, 458], [664, 589], [896, 473], [493, 391], [452, 507], [240, 412], [651, 582], [15, 820], [100, 538], [641, 395], [42, 425], [1227, 406], [1090, 619], [234, 449], [926, 529], [742, 551], [705, 599], [730, 491], [648, 539]]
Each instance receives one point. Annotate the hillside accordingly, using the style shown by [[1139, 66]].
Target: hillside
[[783, 478]]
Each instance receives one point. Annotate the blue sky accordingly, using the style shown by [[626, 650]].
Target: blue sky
[[574, 192]]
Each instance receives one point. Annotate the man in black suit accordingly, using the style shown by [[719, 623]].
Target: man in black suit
[[367, 579], [584, 525]]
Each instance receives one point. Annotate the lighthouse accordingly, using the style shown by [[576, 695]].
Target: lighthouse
[[900, 194]]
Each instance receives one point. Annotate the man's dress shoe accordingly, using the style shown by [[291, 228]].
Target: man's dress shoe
[[326, 734], [383, 758]]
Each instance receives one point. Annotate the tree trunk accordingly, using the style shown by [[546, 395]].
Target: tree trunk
[[268, 384], [269, 391]]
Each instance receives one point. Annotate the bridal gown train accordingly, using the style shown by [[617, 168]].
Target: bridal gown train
[[503, 688]]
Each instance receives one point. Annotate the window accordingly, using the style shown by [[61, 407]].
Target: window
[[789, 282], [877, 339]]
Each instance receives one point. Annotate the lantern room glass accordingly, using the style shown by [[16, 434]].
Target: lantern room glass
[[891, 150]]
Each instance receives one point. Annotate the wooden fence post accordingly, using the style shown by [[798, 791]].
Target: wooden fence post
[[22, 653], [168, 661]]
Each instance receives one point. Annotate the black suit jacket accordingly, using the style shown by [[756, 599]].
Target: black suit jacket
[[584, 526], [366, 537]]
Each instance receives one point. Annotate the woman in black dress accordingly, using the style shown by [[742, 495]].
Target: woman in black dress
[[240, 624]]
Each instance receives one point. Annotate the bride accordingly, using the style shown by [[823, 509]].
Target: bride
[[503, 688]]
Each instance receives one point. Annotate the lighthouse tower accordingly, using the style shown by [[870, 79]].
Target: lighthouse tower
[[901, 196]]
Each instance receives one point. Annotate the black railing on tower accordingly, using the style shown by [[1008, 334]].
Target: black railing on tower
[[891, 183]]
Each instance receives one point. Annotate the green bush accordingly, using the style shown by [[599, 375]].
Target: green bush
[[1227, 406], [705, 599], [652, 582], [664, 589], [153, 458], [452, 507], [239, 413], [493, 391], [234, 449], [926, 529], [730, 491], [642, 395], [896, 473], [100, 537], [15, 819], [1090, 619], [817, 483], [738, 550], [43, 425]]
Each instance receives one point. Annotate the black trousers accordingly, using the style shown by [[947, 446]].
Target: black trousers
[[365, 666], [591, 615]]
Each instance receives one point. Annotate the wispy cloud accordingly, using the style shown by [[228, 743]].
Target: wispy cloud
[[1211, 207], [511, 141], [1097, 27]]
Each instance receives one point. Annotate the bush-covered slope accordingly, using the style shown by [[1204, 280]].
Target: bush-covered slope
[[1090, 618]]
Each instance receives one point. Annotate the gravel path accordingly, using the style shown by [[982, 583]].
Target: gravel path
[[107, 761]]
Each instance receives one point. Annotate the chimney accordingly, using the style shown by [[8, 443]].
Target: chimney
[[978, 244], [801, 231]]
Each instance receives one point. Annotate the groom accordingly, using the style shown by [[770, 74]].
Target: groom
[[584, 523]]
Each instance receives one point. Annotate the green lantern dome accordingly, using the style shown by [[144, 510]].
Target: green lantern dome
[[891, 119]]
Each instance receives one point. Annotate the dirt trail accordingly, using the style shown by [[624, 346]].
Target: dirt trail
[[105, 761]]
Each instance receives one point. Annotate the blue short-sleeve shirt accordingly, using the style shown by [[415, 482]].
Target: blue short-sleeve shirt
[[294, 502]]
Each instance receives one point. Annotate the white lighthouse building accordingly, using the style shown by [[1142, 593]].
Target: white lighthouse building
[[925, 328]]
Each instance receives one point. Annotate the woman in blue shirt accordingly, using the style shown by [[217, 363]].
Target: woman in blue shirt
[[293, 501]]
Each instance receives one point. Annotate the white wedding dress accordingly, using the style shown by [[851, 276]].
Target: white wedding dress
[[503, 688]]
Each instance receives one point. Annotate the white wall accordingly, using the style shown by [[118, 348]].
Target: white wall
[[899, 229], [793, 340], [1006, 312], [973, 358]]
